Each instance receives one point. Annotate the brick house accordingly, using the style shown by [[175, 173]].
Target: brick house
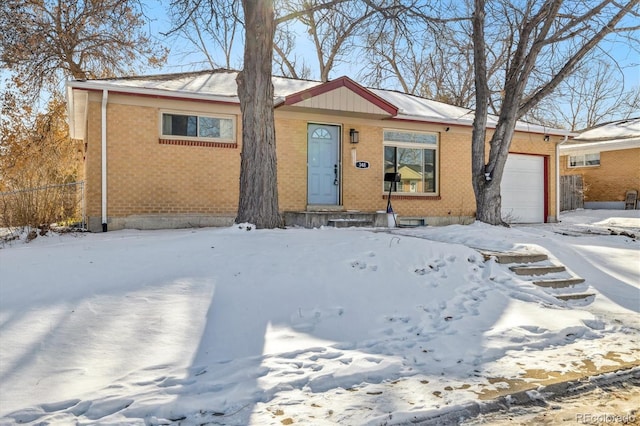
[[164, 151], [608, 159]]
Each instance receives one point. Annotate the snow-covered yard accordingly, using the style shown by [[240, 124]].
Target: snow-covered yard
[[327, 326]]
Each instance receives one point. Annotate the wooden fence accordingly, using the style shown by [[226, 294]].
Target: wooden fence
[[571, 193]]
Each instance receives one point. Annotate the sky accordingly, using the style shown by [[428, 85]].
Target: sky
[[160, 21], [326, 326]]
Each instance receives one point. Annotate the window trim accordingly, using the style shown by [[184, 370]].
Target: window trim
[[224, 141], [414, 145], [584, 160]]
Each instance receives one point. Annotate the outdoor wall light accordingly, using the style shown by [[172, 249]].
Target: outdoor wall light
[[546, 138], [354, 136]]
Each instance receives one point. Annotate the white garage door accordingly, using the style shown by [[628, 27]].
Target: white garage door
[[522, 189]]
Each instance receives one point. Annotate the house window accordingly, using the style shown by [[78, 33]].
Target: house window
[[201, 127], [414, 155], [321, 134], [584, 160]]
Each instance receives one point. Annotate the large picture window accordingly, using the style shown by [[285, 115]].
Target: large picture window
[[415, 156], [218, 129], [584, 160]]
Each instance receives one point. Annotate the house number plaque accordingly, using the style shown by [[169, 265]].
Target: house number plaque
[[362, 164]]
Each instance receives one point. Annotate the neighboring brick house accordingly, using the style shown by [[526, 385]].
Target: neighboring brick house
[[164, 151], [608, 159]]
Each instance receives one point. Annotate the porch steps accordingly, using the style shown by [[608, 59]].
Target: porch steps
[[559, 283], [515, 257], [335, 218], [575, 296], [537, 269], [346, 223]]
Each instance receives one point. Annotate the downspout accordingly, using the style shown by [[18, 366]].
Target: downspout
[[105, 97], [566, 137]]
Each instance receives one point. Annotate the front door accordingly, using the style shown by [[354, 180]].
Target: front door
[[323, 174]]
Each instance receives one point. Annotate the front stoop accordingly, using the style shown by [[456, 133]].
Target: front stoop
[[536, 267], [349, 222], [335, 218]]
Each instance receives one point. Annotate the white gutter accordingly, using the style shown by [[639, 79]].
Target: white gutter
[[105, 97], [71, 112], [491, 124], [600, 146], [566, 137]]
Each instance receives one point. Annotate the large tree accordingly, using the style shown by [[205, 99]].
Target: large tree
[[258, 202], [214, 31], [331, 30], [547, 40], [592, 95], [42, 43], [45, 41], [520, 57]]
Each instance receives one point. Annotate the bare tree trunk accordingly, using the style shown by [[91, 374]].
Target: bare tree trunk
[[258, 202], [485, 187], [535, 32]]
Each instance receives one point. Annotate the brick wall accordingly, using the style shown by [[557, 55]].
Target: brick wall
[[149, 178], [362, 189], [618, 172]]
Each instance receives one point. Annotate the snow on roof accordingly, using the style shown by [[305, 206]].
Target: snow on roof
[[410, 106], [622, 134], [220, 85], [622, 129], [215, 84]]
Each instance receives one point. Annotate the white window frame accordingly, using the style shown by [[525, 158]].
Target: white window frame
[[583, 162], [414, 145], [199, 115]]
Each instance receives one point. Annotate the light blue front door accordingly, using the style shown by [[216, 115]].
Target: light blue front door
[[323, 174]]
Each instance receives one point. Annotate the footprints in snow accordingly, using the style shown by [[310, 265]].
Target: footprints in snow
[[306, 320], [92, 410], [362, 265]]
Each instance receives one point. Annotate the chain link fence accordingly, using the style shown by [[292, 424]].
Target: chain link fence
[[43, 206]]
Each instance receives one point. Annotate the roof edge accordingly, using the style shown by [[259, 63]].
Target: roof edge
[[92, 85], [610, 145]]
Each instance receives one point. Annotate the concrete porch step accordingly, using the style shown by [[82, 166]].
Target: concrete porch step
[[537, 269], [559, 283], [574, 296], [336, 218], [346, 223], [515, 257], [567, 288]]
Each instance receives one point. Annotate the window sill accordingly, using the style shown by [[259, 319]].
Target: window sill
[[208, 144]]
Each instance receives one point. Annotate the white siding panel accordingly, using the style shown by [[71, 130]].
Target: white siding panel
[[342, 99]]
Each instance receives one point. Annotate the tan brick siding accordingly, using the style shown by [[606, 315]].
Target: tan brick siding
[[146, 177], [618, 172]]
